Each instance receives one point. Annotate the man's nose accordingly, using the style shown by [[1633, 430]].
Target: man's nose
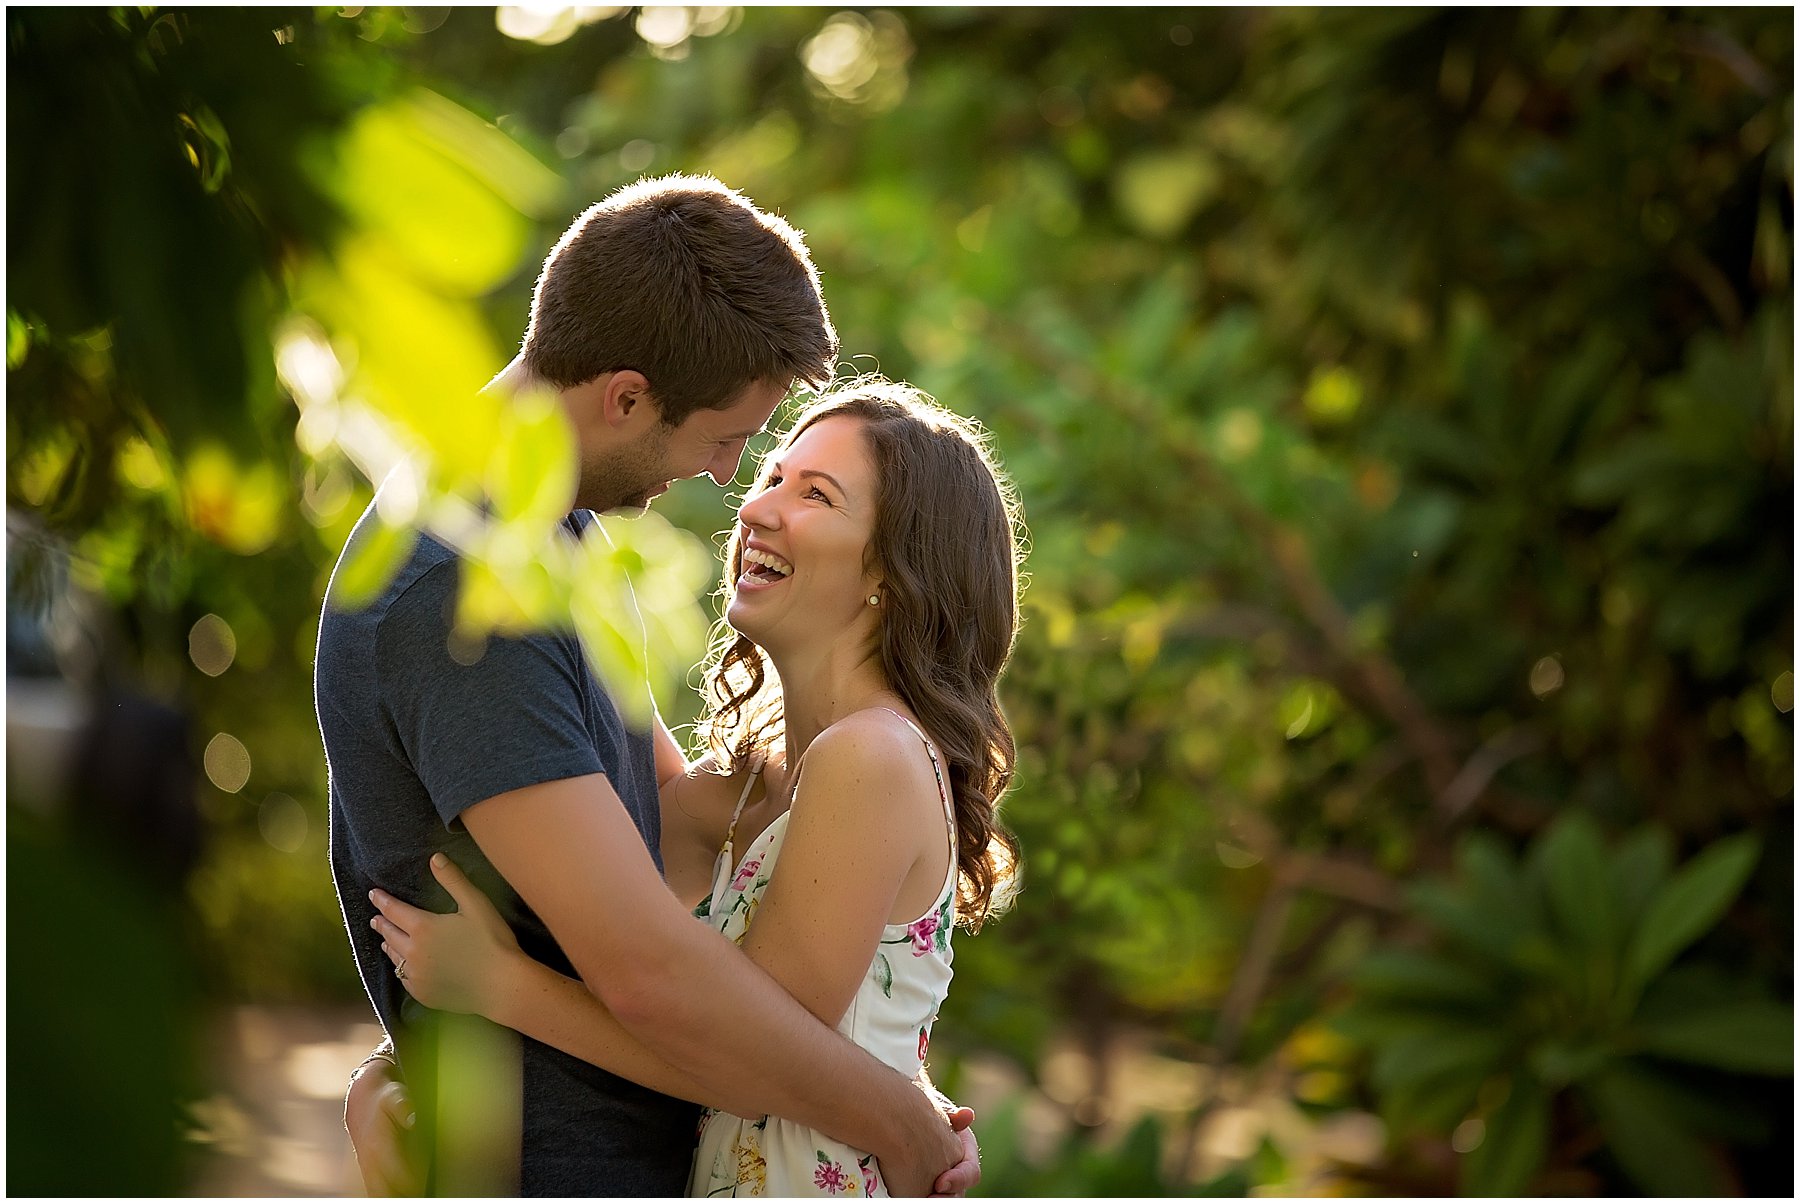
[[724, 466]]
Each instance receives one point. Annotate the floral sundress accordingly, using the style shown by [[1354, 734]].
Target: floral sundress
[[890, 1016]]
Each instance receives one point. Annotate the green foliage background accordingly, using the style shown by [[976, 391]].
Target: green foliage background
[[1402, 405]]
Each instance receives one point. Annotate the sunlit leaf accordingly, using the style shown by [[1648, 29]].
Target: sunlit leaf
[[375, 554], [421, 358], [1159, 193], [241, 510], [607, 616], [18, 340], [531, 477], [1333, 394], [404, 172]]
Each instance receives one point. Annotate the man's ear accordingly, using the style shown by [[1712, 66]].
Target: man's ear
[[625, 398]]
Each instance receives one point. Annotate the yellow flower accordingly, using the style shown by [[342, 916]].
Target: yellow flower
[[752, 1168]]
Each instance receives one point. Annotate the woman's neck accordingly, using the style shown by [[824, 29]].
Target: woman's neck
[[818, 691]]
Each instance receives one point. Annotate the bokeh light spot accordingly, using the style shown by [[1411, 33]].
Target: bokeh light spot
[[1546, 677], [283, 823], [841, 56], [548, 24], [666, 28], [212, 645], [637, 154], [227, 762]]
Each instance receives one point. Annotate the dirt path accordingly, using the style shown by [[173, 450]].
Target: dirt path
[[275, 1125]]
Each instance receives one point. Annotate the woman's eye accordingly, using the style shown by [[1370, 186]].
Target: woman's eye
[[820, 494]]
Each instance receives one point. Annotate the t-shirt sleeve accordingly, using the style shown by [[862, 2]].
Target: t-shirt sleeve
[[514, 717]]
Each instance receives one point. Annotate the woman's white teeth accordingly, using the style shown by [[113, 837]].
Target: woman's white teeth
[[768, 561]]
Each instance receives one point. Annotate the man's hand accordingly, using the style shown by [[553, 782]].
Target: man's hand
[[966, 1174], [377, 1114]]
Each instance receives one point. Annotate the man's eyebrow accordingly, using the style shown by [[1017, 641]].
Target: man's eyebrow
[[743, 435]]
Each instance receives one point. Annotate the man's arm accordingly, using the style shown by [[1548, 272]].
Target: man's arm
[[573, 855]]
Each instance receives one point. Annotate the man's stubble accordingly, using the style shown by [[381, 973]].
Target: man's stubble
[[625, 479]]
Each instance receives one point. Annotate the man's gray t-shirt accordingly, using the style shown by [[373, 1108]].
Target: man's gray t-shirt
[[413, 736]]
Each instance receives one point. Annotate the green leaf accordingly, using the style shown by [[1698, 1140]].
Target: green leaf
[[18, 340], [884, 974], [1513, 1148], [1650, 1142], [1688, 905], [531, 477], [1159, 193], [1572, 864], [1470, 1053], [1160, 313], [1495, 885], [1431, 1105], [1640, 866], [1753, 1036], [1464, 923], [374, 555], [1424, 978]]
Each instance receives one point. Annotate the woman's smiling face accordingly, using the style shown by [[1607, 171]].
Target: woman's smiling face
[[803, 540]]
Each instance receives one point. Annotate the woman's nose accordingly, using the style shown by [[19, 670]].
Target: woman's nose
[[761, 510]]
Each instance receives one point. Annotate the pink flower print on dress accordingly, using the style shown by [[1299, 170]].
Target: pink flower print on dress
[[748, 872], [921, 934], [866, 1165], [829, 1176], [924, 1040]]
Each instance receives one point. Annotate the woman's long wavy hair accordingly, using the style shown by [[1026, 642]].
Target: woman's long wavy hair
[[947, 545]]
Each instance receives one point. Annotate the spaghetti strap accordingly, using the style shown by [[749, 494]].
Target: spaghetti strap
[[756, 764], [936, 766], [937, 770]]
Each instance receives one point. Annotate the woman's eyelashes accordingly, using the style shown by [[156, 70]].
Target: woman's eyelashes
[[814, 492]]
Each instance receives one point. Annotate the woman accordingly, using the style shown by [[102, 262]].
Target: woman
[[872, 583]]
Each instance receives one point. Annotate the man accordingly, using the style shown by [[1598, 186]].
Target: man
[[671, 319]]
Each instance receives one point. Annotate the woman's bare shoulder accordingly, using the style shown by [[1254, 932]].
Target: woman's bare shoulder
[[877, 744]]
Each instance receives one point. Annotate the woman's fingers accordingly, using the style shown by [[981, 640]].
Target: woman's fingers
[[403, 914], [464, 892], [395, 942], [397, 1105]]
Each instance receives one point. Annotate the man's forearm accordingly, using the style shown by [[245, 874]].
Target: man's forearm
[[766, 1048], [533, 999]]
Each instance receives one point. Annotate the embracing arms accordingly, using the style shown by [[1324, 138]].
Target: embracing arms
[[662, 1023], [682, 990]]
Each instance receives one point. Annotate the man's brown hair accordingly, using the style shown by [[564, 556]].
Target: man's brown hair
[[684, 280]]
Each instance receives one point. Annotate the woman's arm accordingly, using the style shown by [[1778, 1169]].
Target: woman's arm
[[866, 840]]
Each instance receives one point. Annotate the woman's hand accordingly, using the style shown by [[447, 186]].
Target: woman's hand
[[377, 1114], [449, 962]]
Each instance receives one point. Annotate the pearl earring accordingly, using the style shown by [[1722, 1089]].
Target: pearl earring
[[874, 599]]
